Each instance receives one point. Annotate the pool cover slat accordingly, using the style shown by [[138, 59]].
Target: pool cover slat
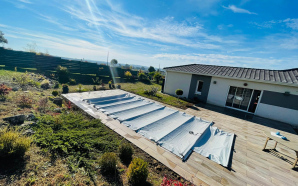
[[161, 128]]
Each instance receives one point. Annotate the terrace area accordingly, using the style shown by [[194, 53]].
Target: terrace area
[[249, 166]]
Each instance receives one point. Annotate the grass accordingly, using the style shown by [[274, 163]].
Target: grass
[[139, 87], [67, 147]]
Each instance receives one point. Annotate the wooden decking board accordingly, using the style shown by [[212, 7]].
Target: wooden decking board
[[250, 165]]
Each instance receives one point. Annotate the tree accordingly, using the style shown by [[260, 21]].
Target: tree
[[128, 74], [2, 38], [157, 76], [142, 76], [114, 62], [31, 47], [151, 69], [151, 74]]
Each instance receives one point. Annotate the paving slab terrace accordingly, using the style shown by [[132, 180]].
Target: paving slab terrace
[[249, 166]]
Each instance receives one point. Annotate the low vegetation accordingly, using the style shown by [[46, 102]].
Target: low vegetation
[[69, 147], [140, 89], [137, 171], [13, 144]]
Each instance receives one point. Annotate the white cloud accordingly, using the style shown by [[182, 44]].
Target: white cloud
[[25, 1], [219, 59], [239, 10], [292, 23]]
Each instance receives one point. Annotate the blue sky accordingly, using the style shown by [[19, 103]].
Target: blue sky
[[245, 33]]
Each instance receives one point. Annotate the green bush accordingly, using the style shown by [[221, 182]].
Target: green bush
[[72, 82], [125, 152], [75, 135], [108, 162], [45, 84], [55, 93], [63, 74], [179, 92], [137, 171], [13, 144]]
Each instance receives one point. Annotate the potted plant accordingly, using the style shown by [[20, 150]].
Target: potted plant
[[65, 89]]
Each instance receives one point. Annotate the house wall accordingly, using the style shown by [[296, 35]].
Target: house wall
[[176, 80], [205, 88], [268, 108]]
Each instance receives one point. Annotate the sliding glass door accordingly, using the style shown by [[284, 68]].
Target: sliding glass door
[[239, 98]]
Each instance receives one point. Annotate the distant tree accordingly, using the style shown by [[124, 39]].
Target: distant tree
[[31, 47], [127, 66], [128, 74], [142, 76], [114, 62], [151, 74], [2, 38], [142, 68], [157, 76], [151, 69]]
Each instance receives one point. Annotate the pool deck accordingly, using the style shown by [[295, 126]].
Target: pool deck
[[249, 166]]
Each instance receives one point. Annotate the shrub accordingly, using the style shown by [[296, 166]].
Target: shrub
[[45, 84], [65, 89], [22, 80], [4, 91], [169, 182], [72, 82], [12, 143], [152, 92], [179, 92], [42, 104], [55, 93], [142, 76], [62, 73], [24, 100], [157, 76], [96, 81], [128, 74], [108, 162], [125, 152], [137, 171]]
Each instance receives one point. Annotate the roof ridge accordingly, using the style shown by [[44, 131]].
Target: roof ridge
[[231, 67]]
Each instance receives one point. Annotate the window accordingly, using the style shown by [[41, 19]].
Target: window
[[199, 87]]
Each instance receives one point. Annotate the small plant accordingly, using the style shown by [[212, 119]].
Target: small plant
[[42, 104], [179, 92], [125, 152], [72, 82], [12, 143], [137, 171], [24, 100], [15, 69], [169, 182], [152, 92], [22, 81], [55, 93], [65, 89], [94, 87], [4, 91], [96, 81], [108, 162], [128, 74], [45, 84], [68, 105], [80, 87]]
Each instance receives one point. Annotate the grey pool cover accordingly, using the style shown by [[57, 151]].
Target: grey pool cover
[[175, 131]]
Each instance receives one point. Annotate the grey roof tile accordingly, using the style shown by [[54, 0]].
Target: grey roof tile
[[289, 76]]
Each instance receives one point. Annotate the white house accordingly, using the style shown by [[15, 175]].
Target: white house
[[271, 94]]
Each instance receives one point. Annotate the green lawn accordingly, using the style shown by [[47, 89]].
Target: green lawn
[[139, 87]]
